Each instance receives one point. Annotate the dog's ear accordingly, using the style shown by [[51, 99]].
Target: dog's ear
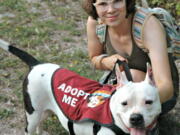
[[149, 75], [121, 76]]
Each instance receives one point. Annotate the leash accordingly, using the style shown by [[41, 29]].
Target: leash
[[124, 67]]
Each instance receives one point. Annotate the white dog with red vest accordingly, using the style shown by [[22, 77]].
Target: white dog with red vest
[[83, 106]]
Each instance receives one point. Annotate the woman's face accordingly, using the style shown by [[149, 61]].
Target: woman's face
[[111, 12]]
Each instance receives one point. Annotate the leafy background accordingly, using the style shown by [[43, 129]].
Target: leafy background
[[52, 31], [172, 5]]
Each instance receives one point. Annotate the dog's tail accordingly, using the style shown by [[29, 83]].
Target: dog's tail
[[24, 56]]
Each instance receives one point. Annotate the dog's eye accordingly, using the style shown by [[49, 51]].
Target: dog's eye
[[149, 102], [124, 103]]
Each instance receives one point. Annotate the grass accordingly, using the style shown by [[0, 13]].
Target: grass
[[3, 99], [5, 113], [33, 32], [52, 126]]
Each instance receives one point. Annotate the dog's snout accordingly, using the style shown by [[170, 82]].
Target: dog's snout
[[136, 120]]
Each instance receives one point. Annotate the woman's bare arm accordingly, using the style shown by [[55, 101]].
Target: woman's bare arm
[[95, 49], [155, 42]]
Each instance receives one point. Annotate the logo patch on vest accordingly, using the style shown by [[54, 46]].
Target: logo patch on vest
[[97, 98], [82, 99]]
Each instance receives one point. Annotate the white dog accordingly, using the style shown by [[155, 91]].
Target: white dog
[[129, 108]]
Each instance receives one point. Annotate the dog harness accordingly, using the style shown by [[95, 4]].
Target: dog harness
[[82, 99]]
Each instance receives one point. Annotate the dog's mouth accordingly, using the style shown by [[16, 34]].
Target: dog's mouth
[[142, 131], [137, 131]]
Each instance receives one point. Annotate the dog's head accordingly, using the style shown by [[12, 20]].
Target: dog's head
[[135, 106]]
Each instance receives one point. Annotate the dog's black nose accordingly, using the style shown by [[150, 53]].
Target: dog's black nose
[[136, 120]]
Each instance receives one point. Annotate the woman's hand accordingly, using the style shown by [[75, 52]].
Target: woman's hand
[[109, 62]]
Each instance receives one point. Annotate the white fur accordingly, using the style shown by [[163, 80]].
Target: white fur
[[4, 45], [135, 94], [39, 89], [42, 99]]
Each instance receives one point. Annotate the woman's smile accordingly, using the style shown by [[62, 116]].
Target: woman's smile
[[112, 18]]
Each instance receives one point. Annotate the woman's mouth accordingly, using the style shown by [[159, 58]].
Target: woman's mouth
[[112, 18]]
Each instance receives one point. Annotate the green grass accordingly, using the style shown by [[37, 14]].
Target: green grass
[[3, 99], [5, 113], [53, 126], [12, 5], [31, 33]]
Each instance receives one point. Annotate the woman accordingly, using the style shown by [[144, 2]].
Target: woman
[[119, 43]]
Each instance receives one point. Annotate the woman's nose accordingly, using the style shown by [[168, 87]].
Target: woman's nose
[[110, 8]]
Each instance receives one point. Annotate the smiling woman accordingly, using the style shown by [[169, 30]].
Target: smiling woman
[[110, 33], [91, 10], [104, 6]]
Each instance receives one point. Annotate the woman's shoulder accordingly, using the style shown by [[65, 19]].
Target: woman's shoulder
[[154, 29], [145, 25], [91, 26], [147, 19], [153, 33], [92, 35], [153, 23], [91, 22]]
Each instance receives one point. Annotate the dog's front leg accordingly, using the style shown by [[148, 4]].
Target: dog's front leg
[[33, 121], [39, 129], [83, 128], [105, 131]]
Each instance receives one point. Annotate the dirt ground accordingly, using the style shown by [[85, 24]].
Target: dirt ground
[[13, 121]]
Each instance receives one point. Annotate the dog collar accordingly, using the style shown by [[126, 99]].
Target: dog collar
[[152, 125]]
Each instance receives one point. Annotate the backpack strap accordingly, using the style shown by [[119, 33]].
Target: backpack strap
[[139, 20], [171, 29], [101, 30]]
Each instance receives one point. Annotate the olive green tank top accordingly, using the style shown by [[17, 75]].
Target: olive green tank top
[[136, 60], [138, 57]]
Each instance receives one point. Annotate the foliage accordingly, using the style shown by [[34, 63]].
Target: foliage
[[172, 5]]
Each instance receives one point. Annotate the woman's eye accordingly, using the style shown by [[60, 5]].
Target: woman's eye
[[102, 4], [118, 1]]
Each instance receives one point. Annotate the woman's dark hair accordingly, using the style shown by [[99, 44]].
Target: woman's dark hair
[[130, 7], [91, 10]]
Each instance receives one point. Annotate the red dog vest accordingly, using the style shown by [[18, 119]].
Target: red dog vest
[[82, 99]]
